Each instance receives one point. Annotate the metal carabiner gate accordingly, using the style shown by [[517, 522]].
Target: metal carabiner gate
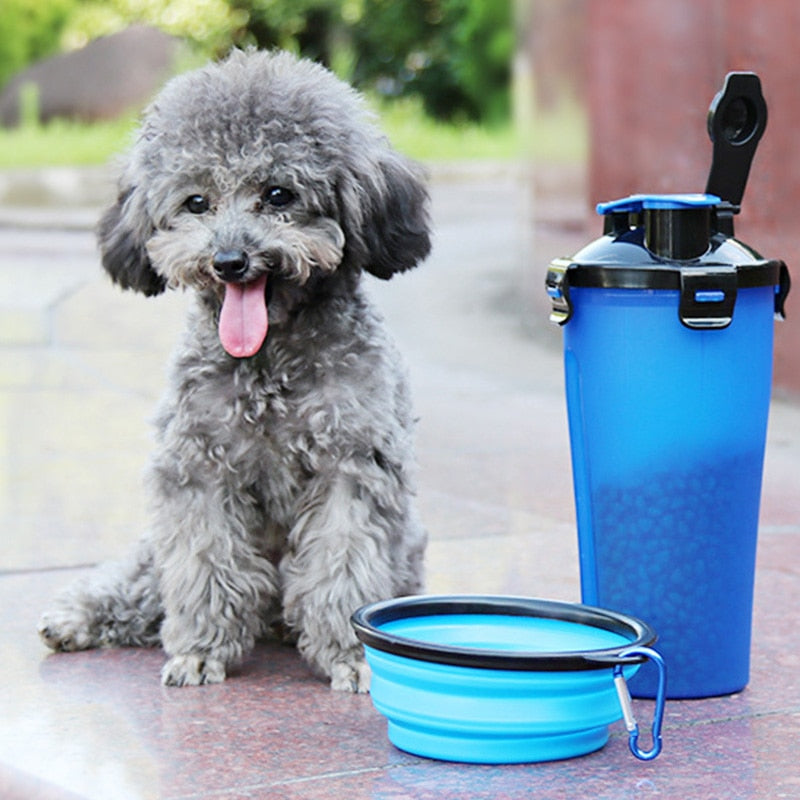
[[627, 705]]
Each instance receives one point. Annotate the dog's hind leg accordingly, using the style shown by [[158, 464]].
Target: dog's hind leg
[[116, 605]]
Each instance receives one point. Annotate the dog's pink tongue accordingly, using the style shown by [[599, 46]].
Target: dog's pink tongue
[[243, 319]]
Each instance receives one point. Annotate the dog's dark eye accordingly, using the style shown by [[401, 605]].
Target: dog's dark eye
[[277, 196], [197, 204]]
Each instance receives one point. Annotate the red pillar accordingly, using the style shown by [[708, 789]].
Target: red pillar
[[652, 70]]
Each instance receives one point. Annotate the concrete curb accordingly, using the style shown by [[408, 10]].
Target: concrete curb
[[56, 186], [70, 198]]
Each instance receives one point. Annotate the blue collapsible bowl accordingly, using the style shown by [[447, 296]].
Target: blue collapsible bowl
[[499, 679]]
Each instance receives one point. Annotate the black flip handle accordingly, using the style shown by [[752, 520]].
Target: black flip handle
[[737, 119]]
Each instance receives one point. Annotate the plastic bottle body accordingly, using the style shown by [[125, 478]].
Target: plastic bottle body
[[668, 429]]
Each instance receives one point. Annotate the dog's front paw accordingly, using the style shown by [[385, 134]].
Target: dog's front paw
[[192, 669], [63, 633], [351, 676]]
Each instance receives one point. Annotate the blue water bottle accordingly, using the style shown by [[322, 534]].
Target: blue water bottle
[[668, 333]]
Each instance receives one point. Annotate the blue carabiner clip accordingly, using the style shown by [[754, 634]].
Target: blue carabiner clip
[[627, 705]]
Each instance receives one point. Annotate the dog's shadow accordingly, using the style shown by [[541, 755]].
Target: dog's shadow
[[126, 675]]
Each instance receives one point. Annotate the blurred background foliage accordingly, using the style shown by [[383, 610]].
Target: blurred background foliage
[[30, 30], [451, 56]]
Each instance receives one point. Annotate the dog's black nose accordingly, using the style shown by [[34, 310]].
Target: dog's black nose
[[231, 265]]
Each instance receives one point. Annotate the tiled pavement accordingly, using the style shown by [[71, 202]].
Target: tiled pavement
[[80, 369]]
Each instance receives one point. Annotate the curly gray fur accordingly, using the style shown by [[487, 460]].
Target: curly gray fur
[[282, 483]]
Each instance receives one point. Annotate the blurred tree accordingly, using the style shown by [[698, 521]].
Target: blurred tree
[[211, 25], [481, 48], [310, 27], [30, 30], [454, 54]]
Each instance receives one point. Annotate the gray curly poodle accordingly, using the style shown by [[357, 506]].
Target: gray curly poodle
[[282, 482]]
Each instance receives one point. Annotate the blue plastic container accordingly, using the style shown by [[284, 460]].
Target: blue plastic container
[[503, 680], [668, 332]]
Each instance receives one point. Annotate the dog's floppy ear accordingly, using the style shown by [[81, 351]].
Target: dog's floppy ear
[[385, 217], [122, 234]]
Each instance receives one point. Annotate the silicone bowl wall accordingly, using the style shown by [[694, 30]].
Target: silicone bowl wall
[[534, 711]]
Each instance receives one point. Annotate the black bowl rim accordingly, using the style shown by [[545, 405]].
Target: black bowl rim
[[367, 619]]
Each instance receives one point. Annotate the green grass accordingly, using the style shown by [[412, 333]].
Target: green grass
[[64, 143], [426, 139], [556, 137]]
